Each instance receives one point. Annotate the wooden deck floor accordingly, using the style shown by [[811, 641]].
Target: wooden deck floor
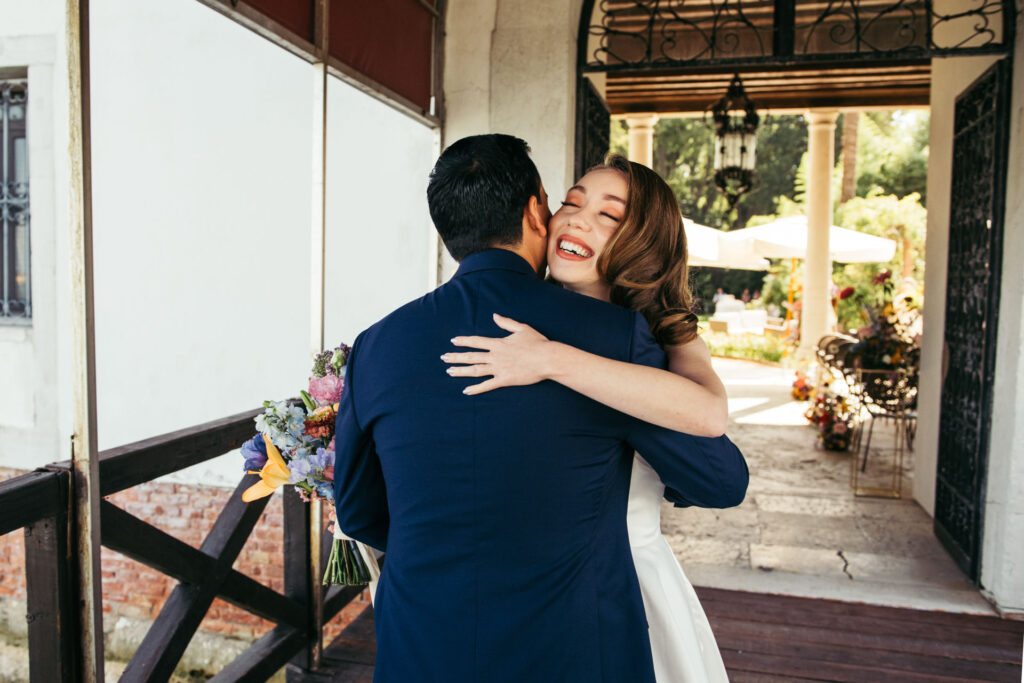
[[768, 638]]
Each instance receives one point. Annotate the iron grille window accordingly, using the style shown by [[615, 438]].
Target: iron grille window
[[15, 277]]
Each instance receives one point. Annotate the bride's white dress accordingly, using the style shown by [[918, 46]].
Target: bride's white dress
[[682, 643]]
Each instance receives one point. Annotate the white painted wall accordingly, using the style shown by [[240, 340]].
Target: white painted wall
[[202, 167], [380, 240], [31, 38], [510, 67], [1002, 564]]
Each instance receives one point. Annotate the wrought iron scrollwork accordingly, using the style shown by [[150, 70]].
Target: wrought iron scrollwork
[[852, 26], [638, 33]]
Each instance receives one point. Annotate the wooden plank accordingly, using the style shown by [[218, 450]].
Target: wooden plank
[[884, 659], [866, 641], [29, 498], [144, 543], [796, 668], [820, 605], [881, 625], [52, 602], [146, 460], [264, 658], [136, 463], [339, 596], [167, 638], [754, 677]]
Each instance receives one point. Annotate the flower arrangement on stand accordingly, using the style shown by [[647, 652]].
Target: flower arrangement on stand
[[834, 417], [890, 337], [294, 445]]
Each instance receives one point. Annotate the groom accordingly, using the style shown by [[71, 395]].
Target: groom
[[504, 515]]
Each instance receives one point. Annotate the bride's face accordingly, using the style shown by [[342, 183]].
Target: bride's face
[[579, 231]]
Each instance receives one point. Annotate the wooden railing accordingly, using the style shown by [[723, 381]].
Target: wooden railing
[[40, 503]]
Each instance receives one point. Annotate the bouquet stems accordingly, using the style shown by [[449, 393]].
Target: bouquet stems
[[345, 566]]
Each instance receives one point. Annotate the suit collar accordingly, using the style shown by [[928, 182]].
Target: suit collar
[[495, 259]]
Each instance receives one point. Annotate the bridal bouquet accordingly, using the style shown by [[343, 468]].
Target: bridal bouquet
[[295, 446]]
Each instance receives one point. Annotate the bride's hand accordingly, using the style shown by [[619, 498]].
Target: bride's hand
[[521, 358]]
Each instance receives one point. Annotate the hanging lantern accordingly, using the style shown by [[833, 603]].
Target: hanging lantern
[[735, 142]]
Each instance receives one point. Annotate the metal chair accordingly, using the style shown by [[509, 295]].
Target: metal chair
[[890, 395]]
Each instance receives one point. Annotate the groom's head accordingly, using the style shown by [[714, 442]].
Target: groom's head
[[485, 192]]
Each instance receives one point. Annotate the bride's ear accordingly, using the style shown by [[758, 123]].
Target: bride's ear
[[535, 217]]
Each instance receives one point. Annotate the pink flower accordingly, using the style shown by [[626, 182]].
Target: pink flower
[[839, 428], [326, 389], [329, 473]]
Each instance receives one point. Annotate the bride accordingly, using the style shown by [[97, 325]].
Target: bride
[[619, 237]]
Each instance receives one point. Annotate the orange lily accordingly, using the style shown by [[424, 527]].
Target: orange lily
[[273, 475]]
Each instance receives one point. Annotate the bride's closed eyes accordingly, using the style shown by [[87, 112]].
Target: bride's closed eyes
[[604, 214]]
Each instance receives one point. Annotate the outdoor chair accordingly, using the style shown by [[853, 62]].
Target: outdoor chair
[[882, 394]]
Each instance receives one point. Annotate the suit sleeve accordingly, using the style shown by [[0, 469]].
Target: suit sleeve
[[701, 471], [360, 499]]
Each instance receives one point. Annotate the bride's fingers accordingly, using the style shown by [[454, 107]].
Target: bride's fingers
[[466, 357], [510, 324], [476, 342], [469, 371], [481, 388]]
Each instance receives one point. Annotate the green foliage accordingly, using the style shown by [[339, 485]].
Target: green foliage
[[764, 348], [618, 141], [775, 289], [892, 154]]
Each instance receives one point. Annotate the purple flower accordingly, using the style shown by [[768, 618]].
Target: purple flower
[[326, 389], [255, 453]]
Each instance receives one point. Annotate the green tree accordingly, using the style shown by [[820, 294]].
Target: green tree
[[892, 154]]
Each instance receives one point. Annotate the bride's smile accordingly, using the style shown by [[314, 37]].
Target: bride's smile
[[573, 248]]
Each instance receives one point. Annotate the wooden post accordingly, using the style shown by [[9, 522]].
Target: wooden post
[[298, 573], [314, 518], [51, 592], [84, 453]]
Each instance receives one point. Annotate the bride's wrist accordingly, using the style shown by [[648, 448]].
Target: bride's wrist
[[556, 360]]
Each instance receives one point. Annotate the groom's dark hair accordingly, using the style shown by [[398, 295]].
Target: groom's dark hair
[[478, 190]]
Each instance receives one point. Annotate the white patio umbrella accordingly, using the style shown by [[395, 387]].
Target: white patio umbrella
[[787, 238], [706, 248]]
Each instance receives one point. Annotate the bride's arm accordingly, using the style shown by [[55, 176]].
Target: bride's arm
[[688, 398]]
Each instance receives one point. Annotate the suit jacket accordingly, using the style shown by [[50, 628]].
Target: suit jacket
[[504, 515]]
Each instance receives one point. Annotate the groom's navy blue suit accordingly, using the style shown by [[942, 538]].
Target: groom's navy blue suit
[[504, 515]]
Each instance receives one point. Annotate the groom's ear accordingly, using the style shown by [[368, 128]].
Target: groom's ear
[[535, 217]]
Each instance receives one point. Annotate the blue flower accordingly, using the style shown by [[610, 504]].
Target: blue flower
[[300, 468], [255, 453]]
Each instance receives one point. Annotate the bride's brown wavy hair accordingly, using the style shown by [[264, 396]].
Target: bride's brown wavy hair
[[645, 260]]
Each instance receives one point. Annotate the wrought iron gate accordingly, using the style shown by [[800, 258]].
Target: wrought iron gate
[[593, 127], [980, 143]]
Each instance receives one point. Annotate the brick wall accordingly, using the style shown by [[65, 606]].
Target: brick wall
[[132, 590]]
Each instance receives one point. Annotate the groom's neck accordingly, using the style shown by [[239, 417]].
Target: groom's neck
[[536, 260]]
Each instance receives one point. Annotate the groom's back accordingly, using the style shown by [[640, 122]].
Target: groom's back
[[507, 552]]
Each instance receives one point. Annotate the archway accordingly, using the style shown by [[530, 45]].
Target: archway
[[672, 57]]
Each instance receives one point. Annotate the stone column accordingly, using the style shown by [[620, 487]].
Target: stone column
[[641, 138], [818, 267]]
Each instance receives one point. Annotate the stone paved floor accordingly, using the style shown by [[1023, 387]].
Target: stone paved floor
[[801, 531]]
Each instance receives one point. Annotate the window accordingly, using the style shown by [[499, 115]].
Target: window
[[15, 282]]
